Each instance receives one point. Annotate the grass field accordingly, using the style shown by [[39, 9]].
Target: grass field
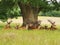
[[29, 37]]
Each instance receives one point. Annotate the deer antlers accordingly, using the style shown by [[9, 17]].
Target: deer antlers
[[53, 26], [7, 26], [52, 23], [32, 25]]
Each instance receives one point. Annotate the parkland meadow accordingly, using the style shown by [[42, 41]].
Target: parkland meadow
[[29, 22], [29, 37]]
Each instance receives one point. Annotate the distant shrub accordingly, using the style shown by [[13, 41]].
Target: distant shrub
[[50, 13]]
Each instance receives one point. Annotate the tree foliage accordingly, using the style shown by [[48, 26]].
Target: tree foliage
[[10, 8]]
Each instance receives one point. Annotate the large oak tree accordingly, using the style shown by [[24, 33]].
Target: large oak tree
[[30, 8]]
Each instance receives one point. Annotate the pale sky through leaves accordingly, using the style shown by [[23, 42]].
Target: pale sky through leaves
[[57, 0]]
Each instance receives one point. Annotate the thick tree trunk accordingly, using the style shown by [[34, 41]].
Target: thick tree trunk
[[29, 16], [28, 13]]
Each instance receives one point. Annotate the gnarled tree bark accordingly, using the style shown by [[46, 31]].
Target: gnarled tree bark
[[28, 13]]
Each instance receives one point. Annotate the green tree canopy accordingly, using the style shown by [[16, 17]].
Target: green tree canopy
[[10, 8]]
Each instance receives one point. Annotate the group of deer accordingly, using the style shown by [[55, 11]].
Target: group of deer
[[37, 25], [31, 25]]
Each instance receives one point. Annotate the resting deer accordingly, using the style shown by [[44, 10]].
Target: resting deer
[[8, 25], [30, 25], [34, 25], [17, 26], [45, 27], [39, 24], [53, 26]]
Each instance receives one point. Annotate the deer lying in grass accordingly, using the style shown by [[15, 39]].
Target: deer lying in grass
[[39, 24], [53, 26], [17, 26], [7, 26], [36, 25], [29, 25], [32, 25], [46, 27], [41, 27]]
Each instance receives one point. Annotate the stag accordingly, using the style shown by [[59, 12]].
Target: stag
[[7, 26], [39, 24], [53, 26], [17, 26]]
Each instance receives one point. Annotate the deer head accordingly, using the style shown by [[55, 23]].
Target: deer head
[[52, 23], [9, 22]]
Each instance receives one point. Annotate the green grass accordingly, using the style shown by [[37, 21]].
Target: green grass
[[25, 37], [29, 37]]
